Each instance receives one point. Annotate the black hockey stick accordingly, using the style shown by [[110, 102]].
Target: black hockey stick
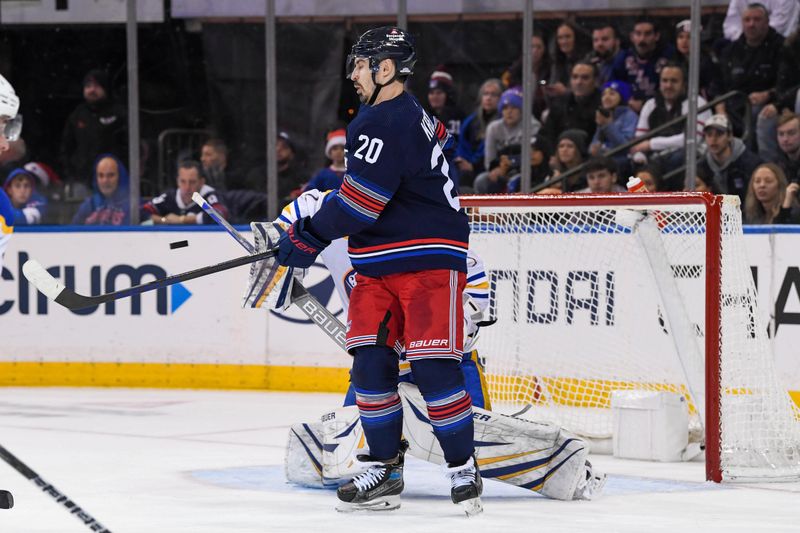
[[53, 289], [53, 492], [303, 299]]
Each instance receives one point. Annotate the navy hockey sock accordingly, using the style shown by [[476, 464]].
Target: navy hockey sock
[[449, 406], [374, 378]]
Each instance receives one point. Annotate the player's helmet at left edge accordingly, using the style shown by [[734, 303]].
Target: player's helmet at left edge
[[386, 42], [9, 105]]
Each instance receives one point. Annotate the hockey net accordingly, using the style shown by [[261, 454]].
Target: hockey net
[[593, 294]]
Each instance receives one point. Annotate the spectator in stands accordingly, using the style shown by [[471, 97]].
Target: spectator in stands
[[507, 130], [470, 151], [175, 206], [605, 47], [704, 182], [571, 44], [505, 175], [750, 65], [512, 77], [789, 145], [570, 152], [786, 97], [495, 180], [97, 125], [727, 159], [783, 16], [442, 101], [651, 177], [682, 45], [770, 199], [216, 165], [291, 176], [670, 103], [109, 204], [616, 122], [601, 176], [29, 206], [45, 175], [471, 148], [331, 176], [640, 65], [577, 108], [291, 173], [540, 165]]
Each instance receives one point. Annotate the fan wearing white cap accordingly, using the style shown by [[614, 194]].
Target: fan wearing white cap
[[331, 176], [10, 129], [727, 158]]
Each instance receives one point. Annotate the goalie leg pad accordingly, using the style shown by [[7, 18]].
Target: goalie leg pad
[[343, 440], [534, 456], [303, 462], [324, 454]]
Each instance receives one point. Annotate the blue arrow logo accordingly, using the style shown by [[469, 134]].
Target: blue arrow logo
[[179, 296]]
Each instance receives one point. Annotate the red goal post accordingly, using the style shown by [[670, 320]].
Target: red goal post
[[640, 259]]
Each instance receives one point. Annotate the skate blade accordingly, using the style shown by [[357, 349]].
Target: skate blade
[[472, 507], [386, 503], [595, 487]]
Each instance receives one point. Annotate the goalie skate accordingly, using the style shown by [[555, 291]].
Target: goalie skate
[[592, 486], [466, 487]]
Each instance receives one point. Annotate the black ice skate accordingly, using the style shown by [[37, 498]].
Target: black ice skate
[[376, 489], [466, 486]]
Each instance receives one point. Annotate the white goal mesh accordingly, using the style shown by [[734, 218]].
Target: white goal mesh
[[594, 294]]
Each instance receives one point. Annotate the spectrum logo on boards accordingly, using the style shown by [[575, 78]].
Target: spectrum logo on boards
[[29, 301]]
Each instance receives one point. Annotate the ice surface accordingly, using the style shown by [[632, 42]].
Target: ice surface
[[142, 460]]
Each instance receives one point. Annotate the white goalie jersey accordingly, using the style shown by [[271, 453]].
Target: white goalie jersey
[[336, 259]]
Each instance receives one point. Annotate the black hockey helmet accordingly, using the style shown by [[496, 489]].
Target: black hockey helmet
[[386, 42]]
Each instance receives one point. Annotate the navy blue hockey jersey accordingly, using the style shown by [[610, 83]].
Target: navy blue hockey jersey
[[171, 202], [397, 201]]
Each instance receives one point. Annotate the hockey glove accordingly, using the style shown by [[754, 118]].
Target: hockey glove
[[270, 284], [299, 247]]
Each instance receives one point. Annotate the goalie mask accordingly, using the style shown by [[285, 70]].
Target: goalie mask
[[9, 106], [386, 42]]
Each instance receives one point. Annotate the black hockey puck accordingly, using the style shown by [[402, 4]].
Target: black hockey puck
[[6, 500], [178, 244]]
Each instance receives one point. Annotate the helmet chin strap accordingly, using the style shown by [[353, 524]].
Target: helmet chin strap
[[379, 86]]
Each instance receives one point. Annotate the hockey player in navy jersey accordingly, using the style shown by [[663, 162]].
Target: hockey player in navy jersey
[[408, 244], [10, 129], [322, 453]]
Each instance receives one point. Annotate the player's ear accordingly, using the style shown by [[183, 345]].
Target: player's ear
[[387, 68]]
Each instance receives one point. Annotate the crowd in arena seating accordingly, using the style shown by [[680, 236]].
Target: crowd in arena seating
[[596, 91]]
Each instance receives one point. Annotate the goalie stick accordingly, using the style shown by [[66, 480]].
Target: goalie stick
[[53, 492], [53, 289], [310, 306]]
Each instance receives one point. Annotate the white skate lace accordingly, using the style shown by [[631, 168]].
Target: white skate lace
[[370, 478], [465, 476]]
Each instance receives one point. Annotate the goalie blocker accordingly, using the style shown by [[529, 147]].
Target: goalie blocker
[[534, 456]]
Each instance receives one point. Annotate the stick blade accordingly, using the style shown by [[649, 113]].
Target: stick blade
[[198, 199], [41, 279], [54, 290]]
